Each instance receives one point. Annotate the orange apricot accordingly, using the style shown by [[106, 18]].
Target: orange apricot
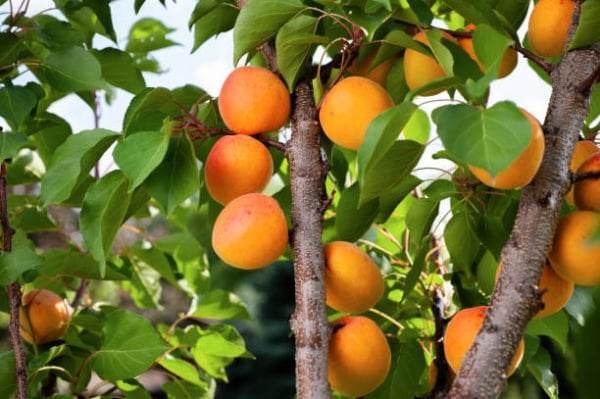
[[583, 150], [379, 74], [575, 255], [348, 109], [353, 283], [237, 165], [44, 316], [507, 64], [250, 232], [421, 69], [587, 192], [359, 356], [548, 26], [460, 334], [524, 168], [254, 100]]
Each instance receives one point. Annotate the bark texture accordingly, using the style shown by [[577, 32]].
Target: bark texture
[[309, 321], [516, 297]]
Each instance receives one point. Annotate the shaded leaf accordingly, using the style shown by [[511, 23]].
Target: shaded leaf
[[73, 69], [16, 103], [120, 70], [540, 367], [21, 259], [555, 326], [210, 18], [354, 219], [10, 144], [221, 305], [148, 109], [587, 32], [57, 262]]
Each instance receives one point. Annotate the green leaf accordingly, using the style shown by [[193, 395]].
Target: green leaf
[[73, 69], [186, 390], [488, 138], [408, 366], [139, 154], [10, 144], [10, 48], [462, 241], [587, 32], [540, 367], [420, 217], [104, 207], [148, 109], [490, 47], [120, 70], [53, 131], [555, 326], [182, 369], [176, 178], [8, 379], [418, 127], [513, 11], [476, 12], [130, 345], [353, 220], [259, 21], [144, 286], [56, 33], [221, 305], [155, 259], [148, 34], [72, 163], [422, 11], [16, 103], [587, 351], [391, 198], [133, 389], [57, 262], [21, 259], [210, 18]]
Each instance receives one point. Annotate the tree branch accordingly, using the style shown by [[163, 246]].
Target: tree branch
[[516, 298], [309, 321]]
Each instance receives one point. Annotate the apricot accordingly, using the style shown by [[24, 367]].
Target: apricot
[[250, 232], [254, 100], [353, 283], [44, 316], [460, 334], [557, 290], [587, 192], [507, 64], [421, 69], [548, 26], [237, 165], [348, 109], [524, 168], [359, 356], [378, 74], [583, 150], [575, 255]]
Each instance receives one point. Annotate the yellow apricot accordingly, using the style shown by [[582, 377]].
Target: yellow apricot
[[348, 109], [507, 64], [421, 69], [460, 334], [524, 168], [359, 356], [44, 316], [250, 232], [353, 283], [575, 255], [587, 192], [548, 26], [378, 74], [583, 150], [237, 165], [254, 100]]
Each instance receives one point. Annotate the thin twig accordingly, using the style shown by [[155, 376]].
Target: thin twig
[[536, 59]]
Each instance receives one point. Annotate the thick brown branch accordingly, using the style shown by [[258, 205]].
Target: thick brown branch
[[516, 298], [309, 321]]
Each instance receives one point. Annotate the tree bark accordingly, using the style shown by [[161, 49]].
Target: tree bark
[[516, 297], [309, 321]]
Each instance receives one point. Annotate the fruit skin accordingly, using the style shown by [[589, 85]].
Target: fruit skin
[[460, 334], [359, 356], [44, 316], [583, 150], [524, 168], [507, 64], [378, 74], [254, 100], [237, 165], [548, 26], [420, 69], [587, 192], [250, 232], [353, 283], [348, 109], [572, 257]]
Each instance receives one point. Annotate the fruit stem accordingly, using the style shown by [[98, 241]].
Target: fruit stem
[[387, 317]]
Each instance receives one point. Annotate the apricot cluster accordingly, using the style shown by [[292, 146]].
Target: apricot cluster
[[44, 316]]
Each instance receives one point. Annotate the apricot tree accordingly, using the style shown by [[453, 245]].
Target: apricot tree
[[311, 158]]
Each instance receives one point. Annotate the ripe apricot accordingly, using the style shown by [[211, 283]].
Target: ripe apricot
[[548, 26], [359, 356], [575, 254], [524, 168], [583, 150], [348, 109], [237, 165], [507, 64], [44, 316], [254, 100], [378, 74], [460, 334], [353, 283], [421, 69], [587, 192], [250, 232], [557, 290]]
